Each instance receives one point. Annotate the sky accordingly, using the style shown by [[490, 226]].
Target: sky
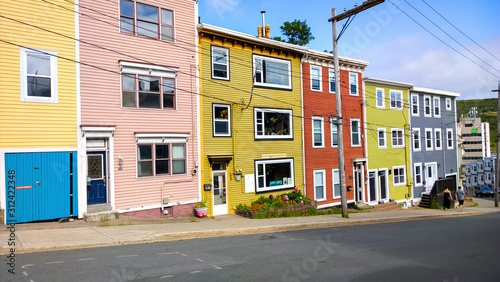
[[395, 41]]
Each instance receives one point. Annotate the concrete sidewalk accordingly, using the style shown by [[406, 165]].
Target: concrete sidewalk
[[47, 236]]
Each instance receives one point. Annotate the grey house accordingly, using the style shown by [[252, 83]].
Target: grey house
[[434, 137]]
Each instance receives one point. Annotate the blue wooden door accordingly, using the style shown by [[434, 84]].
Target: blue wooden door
[[96, 171]]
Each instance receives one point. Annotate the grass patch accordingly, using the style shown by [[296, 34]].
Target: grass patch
[[310, 212]]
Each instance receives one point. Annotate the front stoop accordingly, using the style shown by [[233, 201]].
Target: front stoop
[[101, 216]]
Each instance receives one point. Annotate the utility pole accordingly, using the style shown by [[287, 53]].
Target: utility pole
[[366, 5], [497, 169]]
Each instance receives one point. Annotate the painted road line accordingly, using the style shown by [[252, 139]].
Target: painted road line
[[183, 255], [217, 267], [126, 256], [25, 274], [54, 262], [26, 265], [195, 271], [162, 254], [168, 276], [86, 259], [199, 259]]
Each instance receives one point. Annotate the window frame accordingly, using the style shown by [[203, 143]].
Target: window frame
[[322, 131], [448, 104], [427, 148], [214, 120], [356, 82], [413, 105], [330, 77], [438, 106], [415, 149], [398, 168], [352, 120], [54, 93], [161, 91], [319, 68], [333, 182], [153, 159], [273, 161], [135, 19], [212, 48], [430, 106], [448, 139], [379, 130], [270, 137], [402, 145], [436, 147], [421, 182], [271, 85], [400, 100], [322, 171], [334, 128], [382, 100]]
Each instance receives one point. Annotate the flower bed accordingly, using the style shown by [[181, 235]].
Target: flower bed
[[298, 208]]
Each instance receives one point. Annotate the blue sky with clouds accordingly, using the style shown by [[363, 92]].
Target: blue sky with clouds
[[396, 47]]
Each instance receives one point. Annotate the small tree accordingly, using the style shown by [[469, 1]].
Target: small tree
[[297, 32]]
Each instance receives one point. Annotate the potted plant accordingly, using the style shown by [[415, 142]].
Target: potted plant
[[201, 209]]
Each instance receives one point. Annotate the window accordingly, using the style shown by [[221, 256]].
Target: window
[[318, 136], [399, 175], [448, 104], [160, 159], [331, 76], [355, 134], [428, 139], [145, 20], [272, 72], [336, 183], [319, 185], [153, 92], [414, 105], [449, 138], [418, 174], [397, 138], [396, 99], [437, 107], [38, 75], [316, 78], [273, 124], [222, 120], [353, 83], [220, 63], [380, 98], [335, 135], [274, 174], [382, 143], [437, 138], [427, 106], [416, 139]]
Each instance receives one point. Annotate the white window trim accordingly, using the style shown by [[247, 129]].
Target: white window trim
[[383, 98], [24, 76], [262, 84], [322, 171], [418, 184], [447, 138], [329, 80], [228, 107], [333, 123], [390, 99], [226, 50], [434, 106], [394, 175], [320, 80], [385, 138], [357, 84], [419, 140], [271, 137], [432, 139], [322, 132], [333, 182], [418, 105], [403, 137], [448, 102], [435, 140], [359, 132], [430, 106], [264, 162]]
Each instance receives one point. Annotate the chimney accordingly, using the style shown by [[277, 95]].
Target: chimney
[[268, 31], [259, 31]]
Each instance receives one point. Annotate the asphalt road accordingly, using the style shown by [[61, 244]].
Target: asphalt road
[[447, 249]]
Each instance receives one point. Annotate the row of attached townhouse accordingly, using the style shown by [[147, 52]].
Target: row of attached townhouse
[[140, 109]]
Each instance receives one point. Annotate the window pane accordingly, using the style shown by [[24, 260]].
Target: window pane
[[315, 79], [147, 13], [168, 85], [128, 99], [219, 55], [353, 81], [126, 25], [39, 86], [168, 101], [128, 82], [220, 112], [162, 152], [127, 8], [336, 183], [276, 123], [380, 99], [162, 166], [38, 64], [335, 141], [151, 84], [276, 73], [276, 173], [145, 152], [147, 29], [178, 151], [381, 137], [167, 32], [220, 70], [319, 185], [332, 81], [178, 166], [149, 100], [318, 134], [166, 17], [221, 127], [145, 168]]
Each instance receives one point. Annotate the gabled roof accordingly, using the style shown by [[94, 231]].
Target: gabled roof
[[435, 91]]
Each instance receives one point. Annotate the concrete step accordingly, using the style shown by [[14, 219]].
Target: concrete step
[[101, 216], [98, 208]]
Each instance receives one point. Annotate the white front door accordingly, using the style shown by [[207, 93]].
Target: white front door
[[219, 192], [359, 183], [430, 175]]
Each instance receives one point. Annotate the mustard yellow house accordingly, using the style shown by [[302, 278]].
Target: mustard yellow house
[[388, 142], [38, 110], [251, 126]]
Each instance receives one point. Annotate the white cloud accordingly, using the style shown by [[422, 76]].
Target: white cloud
[[222, 7]]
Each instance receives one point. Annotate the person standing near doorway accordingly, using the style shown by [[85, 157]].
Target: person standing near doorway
[[446, 198], [460, 195]]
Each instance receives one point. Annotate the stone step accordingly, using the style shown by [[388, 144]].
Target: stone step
[[101, 216]]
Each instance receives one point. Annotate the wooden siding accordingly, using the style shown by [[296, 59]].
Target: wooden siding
[[323, 104], [242, 144], [101, 97], [30, 124]]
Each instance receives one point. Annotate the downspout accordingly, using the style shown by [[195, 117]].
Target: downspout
[[302, 60]]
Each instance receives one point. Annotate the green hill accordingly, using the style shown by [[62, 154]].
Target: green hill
[[487, 111]]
